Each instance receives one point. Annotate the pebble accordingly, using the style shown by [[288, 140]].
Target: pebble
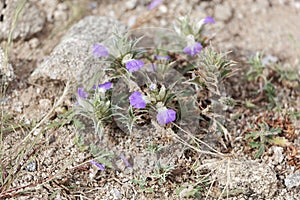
[[292, 180], [45, 104], [278, 154], [130, 4], [131, 21], [31, 166], [163, 8], [34, 43]]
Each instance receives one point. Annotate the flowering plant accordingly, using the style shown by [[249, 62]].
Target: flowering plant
[[153, 88]]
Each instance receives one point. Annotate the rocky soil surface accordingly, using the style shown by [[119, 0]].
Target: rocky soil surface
[[50, 48]]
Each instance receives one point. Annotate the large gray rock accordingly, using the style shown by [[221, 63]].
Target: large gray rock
[[30, 20], [6, 70], [71, 59]]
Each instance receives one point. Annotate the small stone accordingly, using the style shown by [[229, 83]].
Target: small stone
[[45, 104], [131, 20], [163, 8], [292, 180], [31, 166], [34, 43], [60, 14], [36, 132], [278, 154], [130, 4]]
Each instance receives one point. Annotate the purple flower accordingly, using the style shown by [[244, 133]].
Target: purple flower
[[193, 49], [209, 20], [165, 116], [127, 164], [99, 166], [105, 86], [154, 3], [82, 93], [99, 51], [137, 100], [157, 57], [134, 65]]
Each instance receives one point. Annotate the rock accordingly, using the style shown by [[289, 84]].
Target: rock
[[131, 4], [223, 12], [6, 70], [30, 21], [31, 166], [245, 175], [278, 154], [72, 59], [292, 180]]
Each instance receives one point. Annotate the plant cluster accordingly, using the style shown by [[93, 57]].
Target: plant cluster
[[143, 87]]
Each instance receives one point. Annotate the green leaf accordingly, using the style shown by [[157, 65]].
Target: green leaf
[[260, 151], [254, 145], [281, 141]]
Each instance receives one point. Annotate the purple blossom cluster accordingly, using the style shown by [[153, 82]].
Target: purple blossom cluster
[[164, 115], [137, 99], [131, 65]]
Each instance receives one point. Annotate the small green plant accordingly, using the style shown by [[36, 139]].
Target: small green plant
[[288, 75], [143, 185], [153, 147], [189, 191], [265, 135], [259, 72], [257, 68], [162, 172], [211, 69]]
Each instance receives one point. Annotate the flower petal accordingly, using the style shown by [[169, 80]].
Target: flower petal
[[166, 116], [209, 20], [99, 51], [193, 50], [127, 164], [136, 100], [81, 93], [153, 4], [105, 86], [98, 165], [134, 65]]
